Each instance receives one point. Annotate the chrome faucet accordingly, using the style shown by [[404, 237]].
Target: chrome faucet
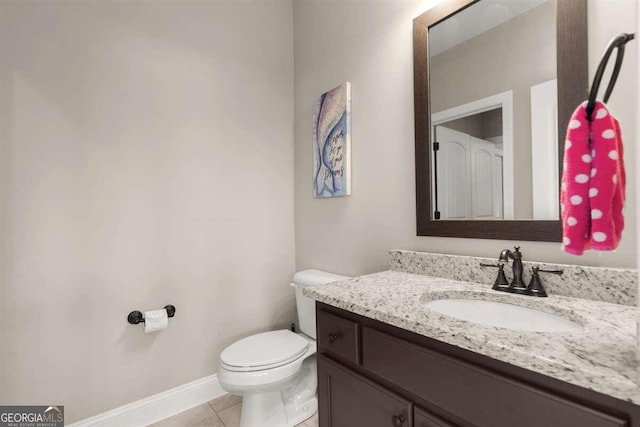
[[517, 284]]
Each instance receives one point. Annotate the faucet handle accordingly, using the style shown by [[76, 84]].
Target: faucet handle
[[558, 272], [535, 287], [501, 281]]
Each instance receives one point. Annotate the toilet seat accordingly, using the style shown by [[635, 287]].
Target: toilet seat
[[264, 351]]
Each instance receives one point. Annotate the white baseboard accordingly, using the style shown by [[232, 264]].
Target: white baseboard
[[159, 406]]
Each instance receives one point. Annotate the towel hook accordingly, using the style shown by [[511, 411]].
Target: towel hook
[[618, 42]]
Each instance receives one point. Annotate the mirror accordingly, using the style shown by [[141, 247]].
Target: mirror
[[492, 103]]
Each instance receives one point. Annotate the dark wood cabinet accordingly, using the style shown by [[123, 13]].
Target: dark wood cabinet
[[470, 392], [422, 418], [353, 400], [380, 375], [340, 335]]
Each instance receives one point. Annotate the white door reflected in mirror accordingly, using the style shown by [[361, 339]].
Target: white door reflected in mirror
[[469, 176]]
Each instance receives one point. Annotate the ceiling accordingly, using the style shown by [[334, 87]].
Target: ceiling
[[474, 20]]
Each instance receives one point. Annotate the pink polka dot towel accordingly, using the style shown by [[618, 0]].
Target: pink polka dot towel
[[593, 182]]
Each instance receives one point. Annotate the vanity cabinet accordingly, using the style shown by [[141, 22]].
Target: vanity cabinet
[[373, 374], [353, 400], [424, 419]]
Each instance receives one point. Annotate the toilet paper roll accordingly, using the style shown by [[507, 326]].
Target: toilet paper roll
[[155, 320]]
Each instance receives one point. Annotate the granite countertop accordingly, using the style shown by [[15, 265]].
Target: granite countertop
[[601, 357]]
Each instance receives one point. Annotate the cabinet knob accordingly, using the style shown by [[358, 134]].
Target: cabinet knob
[[397, 420], [332, 337]]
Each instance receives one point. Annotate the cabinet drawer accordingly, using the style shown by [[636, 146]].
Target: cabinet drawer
[[473, 394], [339, 336], [350, 400]]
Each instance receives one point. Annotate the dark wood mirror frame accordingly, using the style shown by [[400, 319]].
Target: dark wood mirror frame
[[572, 75]]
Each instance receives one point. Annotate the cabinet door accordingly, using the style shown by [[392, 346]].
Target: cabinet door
[[348, 400]]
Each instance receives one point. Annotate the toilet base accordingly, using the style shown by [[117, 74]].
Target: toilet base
[[262, 410], [300, 399], [303, 412], [284, 407], [267, 410]]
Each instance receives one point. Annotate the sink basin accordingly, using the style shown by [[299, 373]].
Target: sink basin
[[502, 315]]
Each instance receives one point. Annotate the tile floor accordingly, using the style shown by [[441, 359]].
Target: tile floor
[[221, 412]]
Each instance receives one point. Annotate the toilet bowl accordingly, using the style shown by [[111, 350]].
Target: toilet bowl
[[275, 372]]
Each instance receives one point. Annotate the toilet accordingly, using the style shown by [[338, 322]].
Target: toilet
[[275, 372]]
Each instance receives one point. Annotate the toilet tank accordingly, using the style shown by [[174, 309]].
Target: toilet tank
[[307, 306]]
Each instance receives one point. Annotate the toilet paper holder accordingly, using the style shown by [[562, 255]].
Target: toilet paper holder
[[136, 317]]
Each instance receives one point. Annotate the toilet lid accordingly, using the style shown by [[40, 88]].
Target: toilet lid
[[267, 350]]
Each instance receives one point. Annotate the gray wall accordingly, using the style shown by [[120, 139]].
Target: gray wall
[[369, 43], [146, 158], [513, 56]]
